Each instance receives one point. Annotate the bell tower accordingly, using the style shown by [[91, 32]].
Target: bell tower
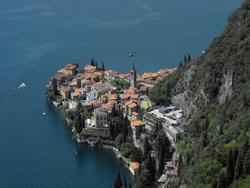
[[133, 77]]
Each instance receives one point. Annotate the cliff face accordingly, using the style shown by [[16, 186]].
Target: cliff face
[[212, 76], [214, 92]]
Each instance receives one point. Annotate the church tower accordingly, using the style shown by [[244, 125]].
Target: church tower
[[133, 77]]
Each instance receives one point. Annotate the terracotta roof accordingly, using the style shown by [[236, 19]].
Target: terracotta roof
[[134, 96], [98, 73], [134, 165], [123, 76], [107, 106], [61, 71], [88, 104], [125, 97], [64, 89], [73, 82], [132, 105], [138, 123], [135, 113], [70, 67], [172, 172], [127, 103], [112, 96], [143, 88], [77, 92], [131, 91]]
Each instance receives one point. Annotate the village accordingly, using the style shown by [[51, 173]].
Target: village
[[99, 91]]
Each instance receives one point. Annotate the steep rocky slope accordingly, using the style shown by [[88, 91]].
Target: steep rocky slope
[[214, 92]]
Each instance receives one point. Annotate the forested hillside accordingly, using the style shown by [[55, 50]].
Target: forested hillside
[[214, 92]]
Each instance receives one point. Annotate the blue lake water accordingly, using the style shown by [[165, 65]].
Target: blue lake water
[[39, 37]]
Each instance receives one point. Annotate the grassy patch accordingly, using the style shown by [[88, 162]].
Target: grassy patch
[[144, 104]]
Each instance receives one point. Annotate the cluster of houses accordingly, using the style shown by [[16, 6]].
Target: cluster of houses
[[93, 88]]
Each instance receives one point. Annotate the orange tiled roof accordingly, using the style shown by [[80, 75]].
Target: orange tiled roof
[[64, 89], [112, 96], [135, 113], [98, 73], [127, 103], [131, 90], [125, 97], [70, 67], [61, 71], [134, 165], [77, 92], [88, 104], [132, 105], [134, 96], [144, 88], [138, 123]]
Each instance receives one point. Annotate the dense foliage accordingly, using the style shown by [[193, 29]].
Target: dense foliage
[[215, 144]]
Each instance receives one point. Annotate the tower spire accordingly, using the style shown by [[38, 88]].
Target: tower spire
[[133, 67]]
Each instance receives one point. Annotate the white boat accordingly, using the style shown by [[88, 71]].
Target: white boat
[[44, 114], [130, 55], [22, 85]]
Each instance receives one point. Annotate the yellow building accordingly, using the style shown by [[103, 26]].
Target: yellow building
[[70, 69]]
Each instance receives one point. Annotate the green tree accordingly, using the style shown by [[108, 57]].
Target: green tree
[[146, 147], [124, 182], [185, 58], [238, 166], [96, 65], [78, 83], [222, 180], [103, 69], [129, 185], [54, 86], [118, 180], [246, 167], [189, 57], [92, 63], [119, 140], [78, 124], [230, 168]]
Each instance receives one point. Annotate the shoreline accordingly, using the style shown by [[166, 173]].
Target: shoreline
[[91, 143]]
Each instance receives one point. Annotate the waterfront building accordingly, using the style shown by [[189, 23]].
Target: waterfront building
[[138, 127], [70, 69], [101, 117], [134, 167]]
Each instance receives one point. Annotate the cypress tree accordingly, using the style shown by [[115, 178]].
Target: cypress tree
[[92, 62], [235, 155], [129, 185], [185, 58], [214, 184], [230, 168], [118, 180], [146, 147], [103, 66], [78, 123], [189, 57], [179, 165], [83, 122], [222, 180], [113, 110], [96, 64], [246, 168], [111, 130], [78, 83], [124, 182], [54, 86], [238, 166]]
